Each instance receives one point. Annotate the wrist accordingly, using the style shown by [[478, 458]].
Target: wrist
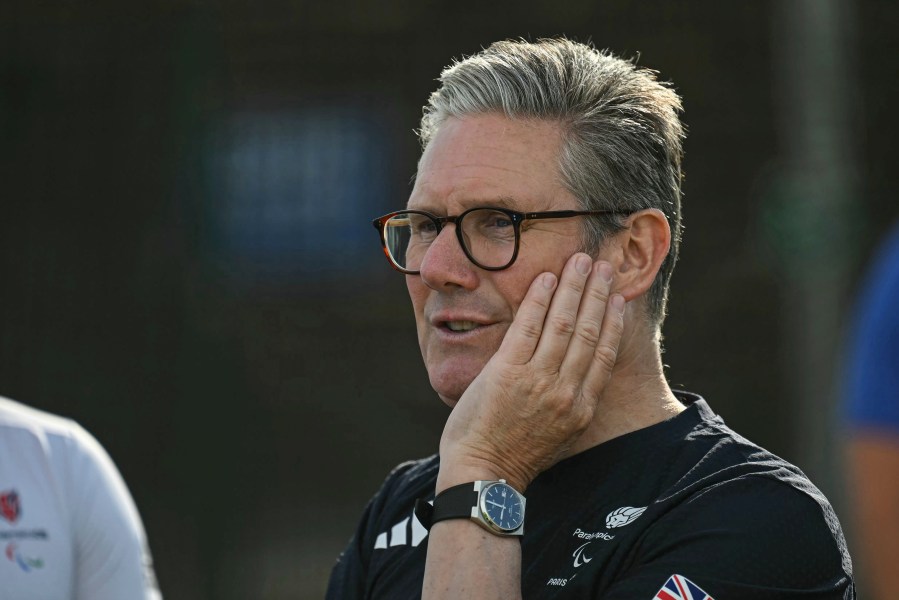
[[453, 472], [493, 505]]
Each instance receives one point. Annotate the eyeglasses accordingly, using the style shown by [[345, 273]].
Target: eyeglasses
[[488, 236]]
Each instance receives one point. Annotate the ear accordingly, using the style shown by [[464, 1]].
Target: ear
[[639, 251]]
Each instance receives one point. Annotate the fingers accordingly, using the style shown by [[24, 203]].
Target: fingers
[[595, 326], [605, 353], [521, 340], [562, 320], [569, 326], [583, 327]]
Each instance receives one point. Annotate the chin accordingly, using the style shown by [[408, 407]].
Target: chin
[[450, 402], [450, 386], [449, 394], [450, 372]]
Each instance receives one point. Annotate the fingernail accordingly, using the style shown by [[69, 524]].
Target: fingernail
[[605, 271], [618, 302], [583, 264], [549, 280]]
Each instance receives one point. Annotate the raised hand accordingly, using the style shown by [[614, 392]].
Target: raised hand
[[538, 393]]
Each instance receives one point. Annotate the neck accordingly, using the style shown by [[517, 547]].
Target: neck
[[637, 394]]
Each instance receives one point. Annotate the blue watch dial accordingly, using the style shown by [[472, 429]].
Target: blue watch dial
[[502, 506]]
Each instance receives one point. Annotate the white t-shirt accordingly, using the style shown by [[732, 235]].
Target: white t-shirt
[[68, 526]]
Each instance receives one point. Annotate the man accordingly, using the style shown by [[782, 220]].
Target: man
[[538, 243], [68, 526]]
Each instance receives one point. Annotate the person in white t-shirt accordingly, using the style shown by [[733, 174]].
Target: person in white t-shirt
[[68, 525]]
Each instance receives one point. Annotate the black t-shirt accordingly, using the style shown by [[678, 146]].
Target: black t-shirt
[[668, 512]]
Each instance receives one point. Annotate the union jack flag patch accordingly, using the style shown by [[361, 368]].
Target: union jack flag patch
[[679, 587]]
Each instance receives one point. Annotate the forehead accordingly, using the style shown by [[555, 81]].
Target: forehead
[[492, 160]]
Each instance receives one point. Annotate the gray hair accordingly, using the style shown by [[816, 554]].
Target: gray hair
[[622, 147]]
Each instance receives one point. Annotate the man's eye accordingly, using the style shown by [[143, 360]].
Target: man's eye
[[424, 228], [500, 222]]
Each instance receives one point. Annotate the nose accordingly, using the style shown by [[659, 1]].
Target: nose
[[445, 265]]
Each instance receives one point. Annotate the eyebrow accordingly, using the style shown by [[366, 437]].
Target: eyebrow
[[506, 202]]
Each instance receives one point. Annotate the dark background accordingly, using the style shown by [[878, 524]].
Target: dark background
[[188, 267]]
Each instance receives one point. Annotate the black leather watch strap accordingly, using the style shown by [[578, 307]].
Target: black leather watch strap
[[452, 503], [455, 502], [424, 512]]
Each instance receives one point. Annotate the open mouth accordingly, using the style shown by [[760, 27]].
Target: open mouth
[[461, 326]]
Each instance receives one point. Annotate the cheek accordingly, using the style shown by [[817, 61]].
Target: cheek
[[537, 260], [514, 284], [416, 288], [515, 298], [418, 294]]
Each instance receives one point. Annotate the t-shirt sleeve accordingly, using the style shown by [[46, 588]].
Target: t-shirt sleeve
[[349, 577], [872, 378], [112, 559], [749, 538]]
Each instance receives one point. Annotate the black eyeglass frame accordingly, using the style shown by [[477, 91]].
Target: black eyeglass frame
[[515, 216]]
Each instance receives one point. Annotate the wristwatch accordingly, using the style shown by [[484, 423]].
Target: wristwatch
[[494, 505]]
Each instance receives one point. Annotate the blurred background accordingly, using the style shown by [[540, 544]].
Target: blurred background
[[188, 267]]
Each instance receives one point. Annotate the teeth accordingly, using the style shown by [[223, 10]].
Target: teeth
[[461, 325]]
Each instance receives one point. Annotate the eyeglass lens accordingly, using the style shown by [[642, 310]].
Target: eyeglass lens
[[487, 235]]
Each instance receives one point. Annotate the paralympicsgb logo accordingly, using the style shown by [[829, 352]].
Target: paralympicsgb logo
[[623, 516]]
